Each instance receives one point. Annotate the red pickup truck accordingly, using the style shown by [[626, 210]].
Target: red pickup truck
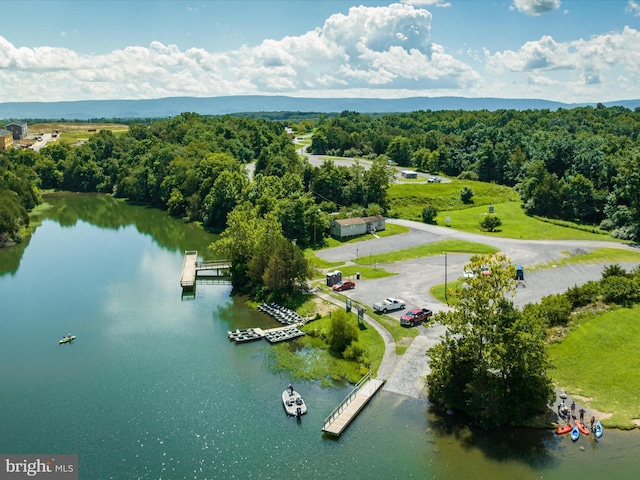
[[415, 317]]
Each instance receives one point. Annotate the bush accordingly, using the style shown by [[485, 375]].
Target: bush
[[583, 295], [429, 214], [342, 333], [490, 223], [356, 351], [555, 309], [619, 290], [606, 225], [466, 195], [467, 175]]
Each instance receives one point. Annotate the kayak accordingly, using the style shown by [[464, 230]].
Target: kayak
[[575, 433], [564, 429], [67, 339], [583, 430], [598, 430]]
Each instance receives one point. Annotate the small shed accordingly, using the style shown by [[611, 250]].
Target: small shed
[[6, 139], [18, 129], [348, 227], [409, 174]]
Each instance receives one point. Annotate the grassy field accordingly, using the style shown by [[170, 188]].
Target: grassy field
[[436, 248], [598, 361], [76, 132], [408, 200]]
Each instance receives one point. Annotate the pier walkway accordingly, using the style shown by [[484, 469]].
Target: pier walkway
[[191, 267], [349, 408]]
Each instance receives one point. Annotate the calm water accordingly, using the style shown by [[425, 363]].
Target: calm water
[[152, 388]]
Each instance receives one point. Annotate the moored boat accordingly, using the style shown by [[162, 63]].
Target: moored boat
[[583, 430], [293, 402], [564, 429], [67, 339], [598, 430], [575, 433]]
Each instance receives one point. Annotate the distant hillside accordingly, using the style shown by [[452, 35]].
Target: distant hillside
[[168, 107]]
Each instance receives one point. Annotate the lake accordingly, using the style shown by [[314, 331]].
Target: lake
[[153, 389]]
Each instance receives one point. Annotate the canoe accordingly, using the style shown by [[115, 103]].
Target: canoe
[[67, 339], [583, 430], [575, 433], [598, 430], [564, 429]]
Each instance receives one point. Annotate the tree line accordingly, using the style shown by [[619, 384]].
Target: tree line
[[578, 165]]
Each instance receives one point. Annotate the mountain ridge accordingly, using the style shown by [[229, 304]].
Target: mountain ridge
[[171, 106]]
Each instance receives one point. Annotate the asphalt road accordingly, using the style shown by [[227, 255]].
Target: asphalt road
[[405, 373]]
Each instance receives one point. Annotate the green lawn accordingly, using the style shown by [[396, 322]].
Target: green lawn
[[598, 360], [436, 248]]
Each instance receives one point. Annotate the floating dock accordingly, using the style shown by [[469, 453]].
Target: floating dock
[[273, 335], [349, 408]]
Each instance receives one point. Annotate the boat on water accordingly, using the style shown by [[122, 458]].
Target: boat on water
[[564, 429], [575, 433], [583, 430], [293, 402], [598, 430], [67, 339]]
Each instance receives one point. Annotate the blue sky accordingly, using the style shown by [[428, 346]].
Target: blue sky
[[564, 50]]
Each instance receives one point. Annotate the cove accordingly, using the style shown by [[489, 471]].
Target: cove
[[153, 389]]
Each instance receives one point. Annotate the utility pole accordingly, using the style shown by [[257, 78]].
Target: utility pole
[[445, 277]]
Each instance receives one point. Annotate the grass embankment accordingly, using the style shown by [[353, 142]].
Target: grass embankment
[[420, 251], [309, 358], [598, 361], [76, 132]]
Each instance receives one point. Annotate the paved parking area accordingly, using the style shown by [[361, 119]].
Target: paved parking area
[[415, 278]]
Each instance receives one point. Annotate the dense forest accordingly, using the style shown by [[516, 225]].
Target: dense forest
[[580, 165]]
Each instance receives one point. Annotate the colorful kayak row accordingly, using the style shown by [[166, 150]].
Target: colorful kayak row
[[579, 428]]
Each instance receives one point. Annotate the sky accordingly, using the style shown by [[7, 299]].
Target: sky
[[571, 51]]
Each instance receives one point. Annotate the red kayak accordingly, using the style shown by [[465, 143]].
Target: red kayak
[[564, 429], [583, 430]]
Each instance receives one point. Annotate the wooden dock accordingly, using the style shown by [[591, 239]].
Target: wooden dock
[[191, 267], [349, 408]]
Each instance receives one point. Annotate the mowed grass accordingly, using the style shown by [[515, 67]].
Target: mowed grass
[[598, 360], [515, 224], [408, 200], [436, 248]]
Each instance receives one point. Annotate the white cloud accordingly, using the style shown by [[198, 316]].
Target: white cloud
[[427, 3], [633, 7], [536, 7]]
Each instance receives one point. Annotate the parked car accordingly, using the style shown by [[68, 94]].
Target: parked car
[[415, 317], [388, 305], [343, 285]]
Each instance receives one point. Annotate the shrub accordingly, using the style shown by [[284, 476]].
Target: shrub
[[356, 351], [583, 295], [490, 223], [342, 333], [614, 271], [468, 175], [429, 214], [606, 225], [620, 290], [466, 195], [555, 309]]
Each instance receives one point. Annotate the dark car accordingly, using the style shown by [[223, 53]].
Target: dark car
[[344, 285], [415, 317]]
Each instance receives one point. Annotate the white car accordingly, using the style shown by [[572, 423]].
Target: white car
[[388, 305]]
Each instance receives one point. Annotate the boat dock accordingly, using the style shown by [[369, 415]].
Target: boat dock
[[349, 408], [273, 335], [191, 267]]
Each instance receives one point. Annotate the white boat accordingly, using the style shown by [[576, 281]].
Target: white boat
[[293, 402]]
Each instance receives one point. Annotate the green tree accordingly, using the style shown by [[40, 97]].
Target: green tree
[[466, 195], [429, 214], [492, 362], [399, 150], [342, 332], [490, 223]]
